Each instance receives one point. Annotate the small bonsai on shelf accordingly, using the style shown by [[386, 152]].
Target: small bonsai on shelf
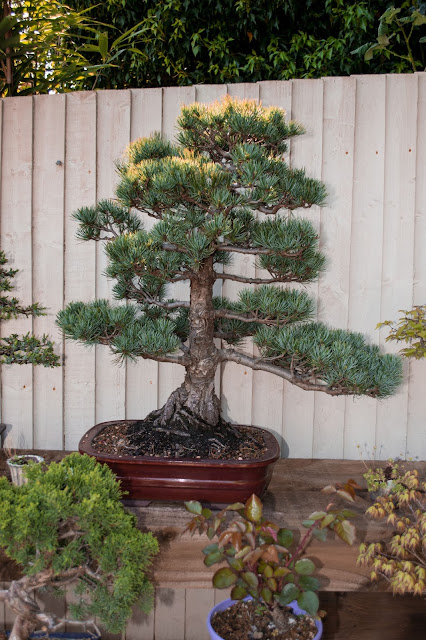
[[399, 558], [27, 349], [224, 190], [263, 560], [67, 526]]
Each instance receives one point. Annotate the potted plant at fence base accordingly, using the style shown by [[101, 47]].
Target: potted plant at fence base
[[67, 526], [27, 349], [223, 191], [18, 463], [273, 593]]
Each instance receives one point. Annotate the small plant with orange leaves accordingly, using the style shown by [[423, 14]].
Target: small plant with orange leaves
[[401, 558], [262, 559]]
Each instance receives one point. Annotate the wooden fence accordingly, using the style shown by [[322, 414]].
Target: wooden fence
[[366, 138]]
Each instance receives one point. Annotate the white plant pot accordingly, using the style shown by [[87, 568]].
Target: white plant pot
[[17, 469]]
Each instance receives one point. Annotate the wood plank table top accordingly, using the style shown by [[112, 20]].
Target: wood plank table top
[[294, 493]]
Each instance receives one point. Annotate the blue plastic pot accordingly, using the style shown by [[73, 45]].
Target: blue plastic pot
[[65, 635], [228, 603]]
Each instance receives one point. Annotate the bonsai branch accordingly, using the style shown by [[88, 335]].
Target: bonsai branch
[[259, 364], [244, 280]]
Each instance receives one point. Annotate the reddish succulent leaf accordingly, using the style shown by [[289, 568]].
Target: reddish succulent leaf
[[304, 567], [253, 556], [317, 515], [329, 518], [253, 508], [270, 554], [251, 579], [329, 489], [266, 595], [244, 551], [224, 578], [346, 531], [238, 592], [268, 571], [348, 494], [237, 506], [193, 506], [272, 584]]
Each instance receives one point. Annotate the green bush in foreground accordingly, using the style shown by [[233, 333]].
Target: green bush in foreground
[[68, 526]]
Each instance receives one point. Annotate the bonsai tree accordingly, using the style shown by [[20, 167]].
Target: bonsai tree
[[264, 560], [27, 349], [68, 526], [223, 190]]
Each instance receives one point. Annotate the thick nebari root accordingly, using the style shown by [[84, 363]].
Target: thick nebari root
[[176, 418]]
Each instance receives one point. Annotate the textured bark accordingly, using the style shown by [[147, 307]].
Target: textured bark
[[195, 402]]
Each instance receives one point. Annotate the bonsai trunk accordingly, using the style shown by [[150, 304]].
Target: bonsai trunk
[[195, 403]]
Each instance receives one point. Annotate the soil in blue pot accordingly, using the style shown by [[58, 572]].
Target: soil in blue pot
[[246, 620]]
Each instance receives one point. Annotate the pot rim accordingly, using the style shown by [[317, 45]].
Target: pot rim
[[85, 446], [36, 459], [225, 604]]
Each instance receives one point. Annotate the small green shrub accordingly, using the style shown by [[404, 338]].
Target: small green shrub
[[67, 525]]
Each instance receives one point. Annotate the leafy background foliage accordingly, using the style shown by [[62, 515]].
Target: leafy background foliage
[[128, 43]]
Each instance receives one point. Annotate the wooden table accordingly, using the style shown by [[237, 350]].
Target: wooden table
[[356, 609]]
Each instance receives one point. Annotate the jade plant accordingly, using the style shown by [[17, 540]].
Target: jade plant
[[264, 560], [223, 190], [67, 526], [398, 558], [26, 349]]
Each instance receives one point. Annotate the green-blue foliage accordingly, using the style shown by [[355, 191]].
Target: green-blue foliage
[[340, 359], [224, 188], [21, 349]]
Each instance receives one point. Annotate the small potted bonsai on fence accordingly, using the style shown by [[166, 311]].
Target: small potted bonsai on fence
[[399, 558], [266, 569], [15, 349], [224, 190], [67, 526]]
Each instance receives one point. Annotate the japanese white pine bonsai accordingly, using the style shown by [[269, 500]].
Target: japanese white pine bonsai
[[26, 349], [67, 527], [223, 190]]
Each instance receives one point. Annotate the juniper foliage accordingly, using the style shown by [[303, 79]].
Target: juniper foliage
[[26, 349], [224, 189], [67, 525]]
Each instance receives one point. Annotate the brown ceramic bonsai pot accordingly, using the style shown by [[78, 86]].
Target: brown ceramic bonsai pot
[[146, 478]]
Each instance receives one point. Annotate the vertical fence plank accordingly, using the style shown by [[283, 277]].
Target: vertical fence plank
[[80, 261], [48, 258], [16, 241], [170, 376], [333, 291], [366, 246], [237, 381], [142, 376], [269, 414], [416, 432], [306, 151], [198, 603], [398, 241], [169, 614], [113, 136]]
